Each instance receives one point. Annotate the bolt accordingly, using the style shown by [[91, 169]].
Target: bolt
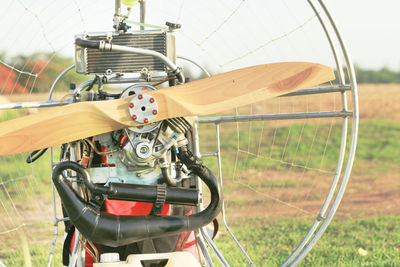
[[131, 105], [155, 112], [144, 150], [152, 100], [146, 120], [140, 97], [134, 117]]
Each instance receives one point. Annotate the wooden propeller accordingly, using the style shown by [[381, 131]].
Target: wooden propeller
[[58, 125]]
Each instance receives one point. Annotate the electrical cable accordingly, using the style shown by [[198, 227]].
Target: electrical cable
[[166, 80]]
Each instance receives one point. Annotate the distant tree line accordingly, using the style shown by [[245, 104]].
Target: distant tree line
[[383, 75]]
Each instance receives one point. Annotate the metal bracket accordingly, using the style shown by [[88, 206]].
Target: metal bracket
[[109, 37]]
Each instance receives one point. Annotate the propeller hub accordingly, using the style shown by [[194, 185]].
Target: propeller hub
[[143, 108]]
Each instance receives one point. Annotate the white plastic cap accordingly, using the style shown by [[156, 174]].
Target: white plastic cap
[[109, 257]]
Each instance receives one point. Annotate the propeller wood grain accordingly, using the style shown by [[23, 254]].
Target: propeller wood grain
[[58, 125]]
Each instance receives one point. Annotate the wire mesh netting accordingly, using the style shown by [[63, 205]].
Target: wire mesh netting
[[272, 169]]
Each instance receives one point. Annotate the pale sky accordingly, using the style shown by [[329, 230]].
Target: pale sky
[[371, 29], [223, 34]]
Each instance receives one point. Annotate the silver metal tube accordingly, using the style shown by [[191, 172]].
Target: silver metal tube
[[331, 193], [328, 36], [62, 219], [75, 251], [209, 155], [283, 116], [81, 255], [142, 13], [303, 243], [204, 234], [53, 245], [53, 86], [53, 103], [222, 196], [195, 137], [196, 64], [117, 14], [319, 90], [117, 8], [200, 207], [214, 248], [19, 105], [200, 241], [141, 51], [153, 78], [82, 86], [353, 142]]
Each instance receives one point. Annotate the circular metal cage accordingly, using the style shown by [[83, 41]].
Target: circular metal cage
[[349, 114]]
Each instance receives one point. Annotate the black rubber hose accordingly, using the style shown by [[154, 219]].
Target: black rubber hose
[[112, 230], [148, 193], [134, 192], [88, 43], [35, 155]]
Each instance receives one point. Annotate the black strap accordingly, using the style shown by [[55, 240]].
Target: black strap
[[67, 245], [160, 200], [35, 155], [184, 241], [216, 226]]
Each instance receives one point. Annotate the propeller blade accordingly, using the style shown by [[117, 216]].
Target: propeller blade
[[58, 125]]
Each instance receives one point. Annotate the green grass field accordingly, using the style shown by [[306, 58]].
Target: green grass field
[[269, 239], [378, 141], [268, 244]]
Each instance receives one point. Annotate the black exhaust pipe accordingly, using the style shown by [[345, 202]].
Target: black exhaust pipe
[[112, 230]]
